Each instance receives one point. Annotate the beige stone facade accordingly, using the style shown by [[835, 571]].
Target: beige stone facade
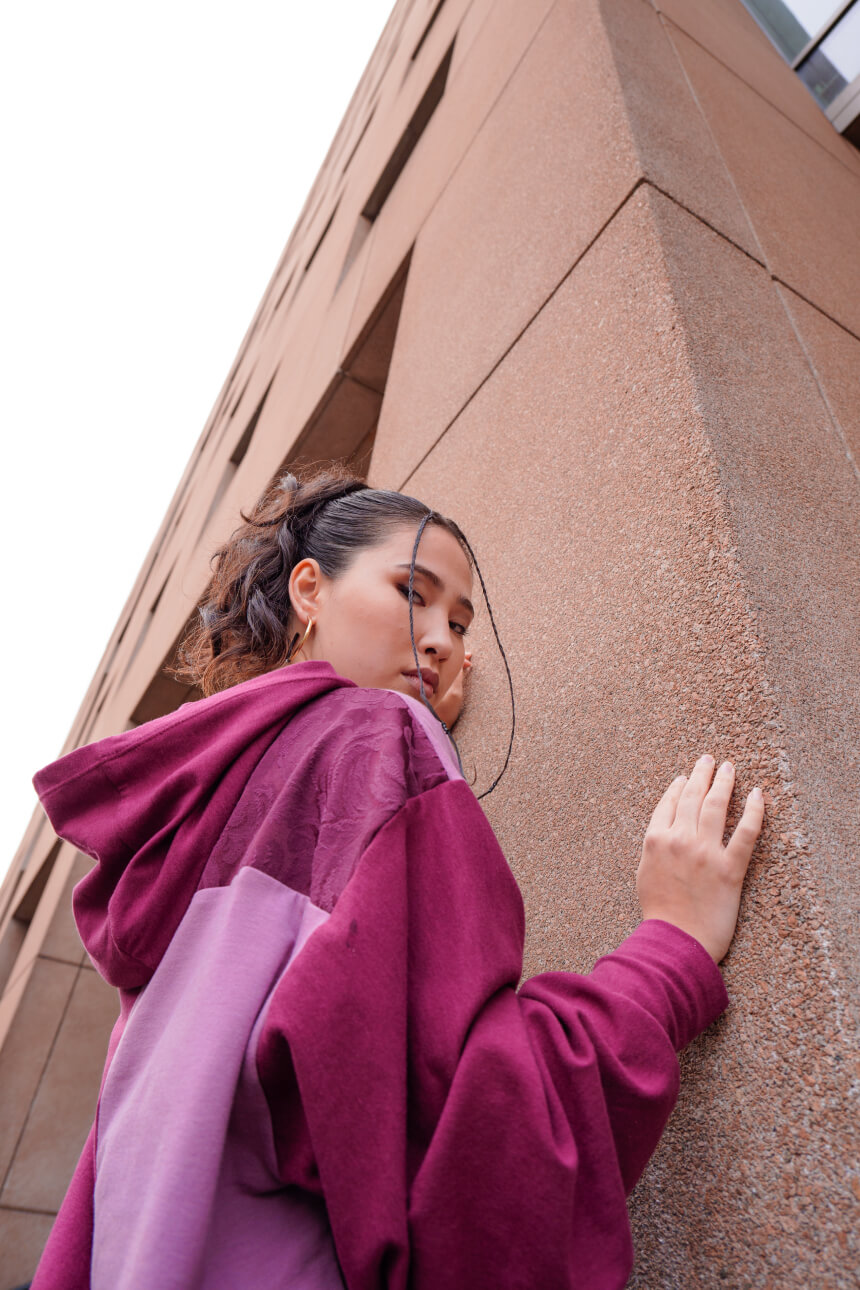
[[584, 276]]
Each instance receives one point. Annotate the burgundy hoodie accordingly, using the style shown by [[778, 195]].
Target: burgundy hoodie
[[324, 1072]]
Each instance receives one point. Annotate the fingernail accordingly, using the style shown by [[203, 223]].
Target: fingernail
[[706, 760], [726, 768], [756, 794]]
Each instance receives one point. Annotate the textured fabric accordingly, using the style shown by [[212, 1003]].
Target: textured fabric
[[499, 1130], [150, 804], [439, 741], [319, 945], [184, 1065]]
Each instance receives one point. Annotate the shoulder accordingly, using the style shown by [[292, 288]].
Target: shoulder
[[369, 727], [344, 766]]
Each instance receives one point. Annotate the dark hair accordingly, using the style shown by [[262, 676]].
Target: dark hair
[[242, 625]]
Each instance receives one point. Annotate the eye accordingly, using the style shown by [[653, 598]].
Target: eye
[[416, 595], [458, 628]]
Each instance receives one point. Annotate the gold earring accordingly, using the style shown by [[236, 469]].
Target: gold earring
[[296, 649]]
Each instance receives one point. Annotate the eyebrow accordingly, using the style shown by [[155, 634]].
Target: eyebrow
[[437, 582]]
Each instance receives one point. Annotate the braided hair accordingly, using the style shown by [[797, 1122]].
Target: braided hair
[[473, 560]]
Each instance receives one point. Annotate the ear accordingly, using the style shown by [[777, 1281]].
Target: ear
[[307, 589]]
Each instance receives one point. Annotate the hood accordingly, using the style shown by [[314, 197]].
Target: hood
[[148, 806]]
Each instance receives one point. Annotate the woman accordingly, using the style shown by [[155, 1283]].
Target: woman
[[324, 1072]]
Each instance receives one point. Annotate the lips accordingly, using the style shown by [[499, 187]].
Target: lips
[[430, 679]]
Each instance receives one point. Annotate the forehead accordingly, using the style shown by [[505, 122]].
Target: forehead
[[438, 551]]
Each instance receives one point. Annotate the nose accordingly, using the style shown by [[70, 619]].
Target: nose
[[434, 637]]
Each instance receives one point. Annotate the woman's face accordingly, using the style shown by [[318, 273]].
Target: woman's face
[[361, 618]]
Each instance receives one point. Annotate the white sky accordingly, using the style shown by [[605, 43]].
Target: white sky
[[812, 14], [154, 161]]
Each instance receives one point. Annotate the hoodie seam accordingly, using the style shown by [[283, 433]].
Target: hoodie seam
[[230, 699]]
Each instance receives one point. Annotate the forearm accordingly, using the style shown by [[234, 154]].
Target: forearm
[[618, 1029]]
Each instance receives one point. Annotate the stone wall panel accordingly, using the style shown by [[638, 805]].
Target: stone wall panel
[[802, 201], [611, 548]]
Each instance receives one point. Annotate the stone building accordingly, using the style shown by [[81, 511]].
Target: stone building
[[583, 274]]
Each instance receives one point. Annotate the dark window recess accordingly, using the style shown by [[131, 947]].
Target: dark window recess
[[157, 600], [175, 525], [360, 234], [426, 32], [409, 139], [236, 457], [284, 291], [322, 238], [141, 637], [355, 146], [240, 396], [225, 395], [98, 701], [138, 645], [29, 902], [22, 914], [343, 425], [165, 693], [242, 446]]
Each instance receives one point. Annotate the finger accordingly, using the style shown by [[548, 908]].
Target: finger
[[690, 801], [664, 812], [712, 818], [740, 847]]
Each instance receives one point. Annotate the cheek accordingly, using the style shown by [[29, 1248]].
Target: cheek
[[370, 617]]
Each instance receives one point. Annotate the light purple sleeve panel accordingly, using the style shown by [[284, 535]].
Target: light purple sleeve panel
[[185, 1180], [447, 1110]]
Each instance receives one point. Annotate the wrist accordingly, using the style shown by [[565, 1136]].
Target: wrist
[[699, 936], [713, 944]]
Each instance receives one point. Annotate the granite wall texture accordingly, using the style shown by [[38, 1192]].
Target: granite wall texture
[[608, 318]]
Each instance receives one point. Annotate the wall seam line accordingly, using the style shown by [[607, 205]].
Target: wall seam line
[[764, 261], [48, 1057], [490, 109], [604, 226], [782, 760], [818, 309], [472, 141], [717, 149], [776, 281], [774, 277], [696, 215], [831, 412], [643, 181], [23, 1209], [670, 22], [52, 958], [13, 981], [49, 958]]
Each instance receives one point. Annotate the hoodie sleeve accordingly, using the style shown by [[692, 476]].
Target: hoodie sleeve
[[462, 1131]]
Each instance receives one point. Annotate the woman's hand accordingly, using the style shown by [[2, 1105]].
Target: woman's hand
[[450, 704], [686, 876]]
